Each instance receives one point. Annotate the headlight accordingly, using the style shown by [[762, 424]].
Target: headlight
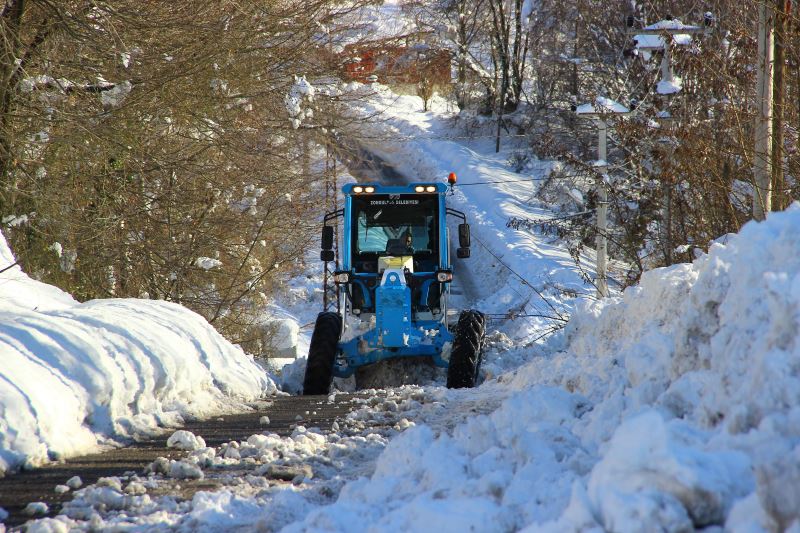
[[430, 188], [444, 276], [341, 277], [419, 188], [369, 189], [358, 189]]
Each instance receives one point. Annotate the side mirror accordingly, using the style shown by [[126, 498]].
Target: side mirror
[[462, 253], [327, 237], [327, 255], [463, 235]]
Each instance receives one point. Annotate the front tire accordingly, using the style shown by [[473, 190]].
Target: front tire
[[465, 358], [322, 353]]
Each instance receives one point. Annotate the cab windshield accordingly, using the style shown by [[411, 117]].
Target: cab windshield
[[395, 224]]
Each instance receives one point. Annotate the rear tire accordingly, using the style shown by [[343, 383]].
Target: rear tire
[[322, 353], [465, 358]]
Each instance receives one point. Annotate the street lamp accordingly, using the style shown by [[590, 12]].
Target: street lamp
[[600, 111], [661, 36]]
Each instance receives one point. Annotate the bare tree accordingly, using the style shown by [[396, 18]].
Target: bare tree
[[151, 151]]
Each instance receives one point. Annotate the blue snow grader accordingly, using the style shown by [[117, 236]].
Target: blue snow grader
[[389, 287]]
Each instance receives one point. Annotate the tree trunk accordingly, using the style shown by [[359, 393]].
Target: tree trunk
[[782, 8], [461, 59], [500, 36]]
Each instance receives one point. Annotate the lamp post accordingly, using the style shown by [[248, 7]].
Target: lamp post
[[661, 36], [600, 111], [666, 148]]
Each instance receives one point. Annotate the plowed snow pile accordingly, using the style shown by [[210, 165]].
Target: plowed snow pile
[[676, 406], [73, 376]]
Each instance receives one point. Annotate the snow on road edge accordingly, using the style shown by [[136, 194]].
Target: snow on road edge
[[77, 376]]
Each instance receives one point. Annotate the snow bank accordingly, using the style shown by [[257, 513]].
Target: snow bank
[[715, 344], [710, 352], [74, 376], [673, 407], [717, 339]]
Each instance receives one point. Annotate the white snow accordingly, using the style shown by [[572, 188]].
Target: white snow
[[602, 105], [654, 413], [300, 95], [657, 413], [669, 87], [656, 42], [117, 94], [35, 508], [185, 440], [285, 337], [207, 263], [76, 376]]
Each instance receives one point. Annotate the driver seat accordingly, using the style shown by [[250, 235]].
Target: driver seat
[[397, 247]]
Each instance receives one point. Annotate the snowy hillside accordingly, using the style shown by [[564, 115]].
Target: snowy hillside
[[77, 376]]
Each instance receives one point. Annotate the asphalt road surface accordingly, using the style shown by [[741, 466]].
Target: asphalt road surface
[[38, 485]]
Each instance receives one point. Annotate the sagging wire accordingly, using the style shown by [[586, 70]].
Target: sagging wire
[[526, 223], [552, 177], [502, 182], [9, 267], [556, 316], [512, 316]]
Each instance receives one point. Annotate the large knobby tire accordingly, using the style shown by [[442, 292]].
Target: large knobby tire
[[322, 353], [465, 357]]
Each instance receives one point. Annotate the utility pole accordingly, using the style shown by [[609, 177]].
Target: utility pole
[[600, 111], [602, 211], [666, 150], [762, 157]]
